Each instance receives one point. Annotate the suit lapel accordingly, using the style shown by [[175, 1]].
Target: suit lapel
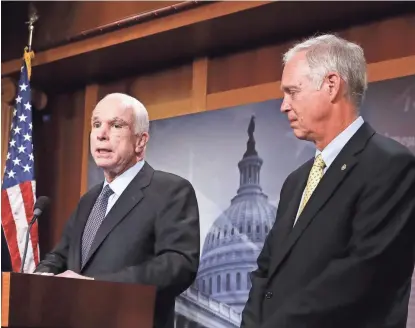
[[337, 172], [85, 207], [131, 196], [286, 221]]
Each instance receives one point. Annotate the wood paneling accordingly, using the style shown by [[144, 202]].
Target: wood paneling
[[385, 39], [163, 86], [5, 299], [391, 69], [248, 68], [199, 84], [158, 87], [164, 93], [122, 86], [91, 99], [6, 120], [8, 94], [171, 109], [58, 142], [264, 65], [384, 70], [245, 95], [72, 18], [140, 31], [212, 29]]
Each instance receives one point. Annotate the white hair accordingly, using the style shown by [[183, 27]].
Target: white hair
[[141, 123], [330, 53]]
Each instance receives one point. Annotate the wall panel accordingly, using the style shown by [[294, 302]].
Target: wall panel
[[57, 138], [172, 86], [164, 86], [381, 41], [244, 69]]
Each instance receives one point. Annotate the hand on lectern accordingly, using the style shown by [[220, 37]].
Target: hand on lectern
[[71, 274], [43, 273]]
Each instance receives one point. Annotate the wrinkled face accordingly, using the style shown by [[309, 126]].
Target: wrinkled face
[[114, 143], [306, 107]]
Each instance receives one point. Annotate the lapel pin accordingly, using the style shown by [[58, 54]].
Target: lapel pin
[[344, 167]]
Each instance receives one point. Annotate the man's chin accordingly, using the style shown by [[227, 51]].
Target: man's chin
[[299, 134], [104, 164]]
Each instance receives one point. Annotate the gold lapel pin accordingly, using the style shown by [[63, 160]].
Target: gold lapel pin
[[344, 167]]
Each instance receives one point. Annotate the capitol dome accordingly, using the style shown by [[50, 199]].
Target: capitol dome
[[237, 236]]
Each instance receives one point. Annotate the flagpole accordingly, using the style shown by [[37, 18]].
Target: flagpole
[[33, 17], [28, 53]]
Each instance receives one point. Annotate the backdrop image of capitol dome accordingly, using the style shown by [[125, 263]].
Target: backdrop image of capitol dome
[[237, 160], [235, 239]]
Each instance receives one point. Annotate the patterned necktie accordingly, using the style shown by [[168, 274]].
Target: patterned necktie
[[314, 178], [95, 219]]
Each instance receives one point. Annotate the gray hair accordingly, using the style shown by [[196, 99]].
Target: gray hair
[[328, 53], [141, 123]]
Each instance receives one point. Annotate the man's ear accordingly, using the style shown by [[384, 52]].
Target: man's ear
[[333, 84], [142, 142]]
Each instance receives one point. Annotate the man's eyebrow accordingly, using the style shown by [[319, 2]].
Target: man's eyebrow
[[289, 87], [119, 120], [114, 119]]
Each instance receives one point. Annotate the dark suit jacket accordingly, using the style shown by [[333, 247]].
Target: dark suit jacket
[[150, 236], [348, 261]]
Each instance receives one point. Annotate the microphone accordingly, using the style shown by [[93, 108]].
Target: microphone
[[41, 203]]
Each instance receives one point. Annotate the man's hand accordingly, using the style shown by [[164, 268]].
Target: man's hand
[[43, 273], [71, 274]]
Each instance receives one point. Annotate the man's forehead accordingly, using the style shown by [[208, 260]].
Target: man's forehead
[[298, 63], [289, 78], [294, 72], [111, 112]]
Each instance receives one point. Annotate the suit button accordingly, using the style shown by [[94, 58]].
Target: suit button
[[268, 295]]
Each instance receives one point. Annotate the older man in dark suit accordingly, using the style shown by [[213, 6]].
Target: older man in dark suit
[[341, 253], [139, 225]]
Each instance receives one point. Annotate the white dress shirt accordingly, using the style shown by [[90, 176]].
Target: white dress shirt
[[121, 182], [330, 152]]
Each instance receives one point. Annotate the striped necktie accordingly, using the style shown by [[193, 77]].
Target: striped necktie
[[95, 219]]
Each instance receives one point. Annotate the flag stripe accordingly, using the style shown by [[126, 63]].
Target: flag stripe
[[18, 209], [26, 189], [9, 228]]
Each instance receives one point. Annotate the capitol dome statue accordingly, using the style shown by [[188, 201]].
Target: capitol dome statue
[[237, 236]]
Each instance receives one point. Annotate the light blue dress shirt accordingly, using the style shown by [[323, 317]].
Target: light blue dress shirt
[[330, 152]]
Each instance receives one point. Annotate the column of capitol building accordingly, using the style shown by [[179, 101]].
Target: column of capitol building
[[230, 252]]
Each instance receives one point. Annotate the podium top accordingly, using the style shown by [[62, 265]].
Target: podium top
[[42, 301]]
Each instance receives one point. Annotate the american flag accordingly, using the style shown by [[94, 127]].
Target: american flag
[[18, 187]]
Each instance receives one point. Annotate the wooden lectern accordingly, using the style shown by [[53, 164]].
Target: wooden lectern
[[37, 301]]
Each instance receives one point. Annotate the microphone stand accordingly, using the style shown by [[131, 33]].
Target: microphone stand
[[29, 227]]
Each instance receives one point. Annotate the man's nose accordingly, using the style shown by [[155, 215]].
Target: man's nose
[[102, 133], [285, 106]]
